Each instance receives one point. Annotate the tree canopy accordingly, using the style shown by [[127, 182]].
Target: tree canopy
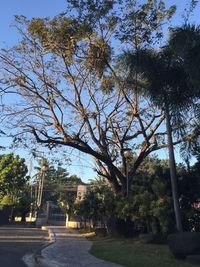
[[13, 178], [69, 92]]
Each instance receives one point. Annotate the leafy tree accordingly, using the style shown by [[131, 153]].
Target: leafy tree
[[59, 186], [189, 184], [168, 85], [13, 177], [149, 204], [148, 208], [55, 179], [14, 184], [63, 73], [23, 204], [98, 204], [68, 194], [185, 42]]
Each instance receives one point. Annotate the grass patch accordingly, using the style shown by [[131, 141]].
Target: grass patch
[[132, 253], [86, 232]]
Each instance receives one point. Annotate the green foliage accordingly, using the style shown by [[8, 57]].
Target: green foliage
[[167, 81], [189, 189], [67, 197], [185, 42], [13, 176], [107, 84], [23, 203], [99, 54], [144, 22], [191, 145], [59, 186], [8, 200], [14, 186], [164, 76], [59, 35], [67, 73], [58, 70], [93, 11], [98, 204], [149, 204]]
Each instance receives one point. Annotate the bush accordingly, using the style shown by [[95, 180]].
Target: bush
[[101, 231], [184, 244], [152, 238], [119, 227]]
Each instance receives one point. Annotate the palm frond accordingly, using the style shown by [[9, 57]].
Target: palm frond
[[184, 38], [185, 43]]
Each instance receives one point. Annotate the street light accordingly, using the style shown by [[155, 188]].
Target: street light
[[127, 155]]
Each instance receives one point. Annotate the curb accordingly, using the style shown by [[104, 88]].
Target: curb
[[52, 235], [36, 259], [39, 259]]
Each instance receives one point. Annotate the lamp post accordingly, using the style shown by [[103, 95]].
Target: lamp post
[[127, 155]]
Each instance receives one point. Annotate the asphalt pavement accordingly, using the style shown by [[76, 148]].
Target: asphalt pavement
[[16, 242]]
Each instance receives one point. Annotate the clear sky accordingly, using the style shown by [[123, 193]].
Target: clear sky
[[28, 8], [49, 8]]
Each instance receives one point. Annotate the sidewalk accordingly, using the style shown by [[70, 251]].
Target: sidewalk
[[69, 249]]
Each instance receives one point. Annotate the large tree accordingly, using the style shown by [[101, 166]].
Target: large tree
[[168, 84], [68, 93]]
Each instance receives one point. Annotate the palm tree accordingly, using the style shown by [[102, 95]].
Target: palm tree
[[185, 43], [167, 84]]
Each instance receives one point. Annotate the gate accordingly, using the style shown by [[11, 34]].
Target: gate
[[55, 216]]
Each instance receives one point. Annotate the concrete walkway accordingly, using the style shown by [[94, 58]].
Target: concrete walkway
[[69, 249]]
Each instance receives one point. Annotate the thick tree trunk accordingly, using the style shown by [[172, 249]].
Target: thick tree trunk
[[173, 175]]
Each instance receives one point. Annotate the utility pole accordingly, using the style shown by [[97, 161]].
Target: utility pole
[[41, 177]]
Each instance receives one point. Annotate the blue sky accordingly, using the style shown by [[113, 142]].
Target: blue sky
[[28, 8], [49, 8]]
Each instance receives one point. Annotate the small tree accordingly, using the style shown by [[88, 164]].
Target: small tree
[[98, 205], [24, 202], [13, 176], [14, 184]]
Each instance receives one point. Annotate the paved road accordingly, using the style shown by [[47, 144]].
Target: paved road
[[15, 242]]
